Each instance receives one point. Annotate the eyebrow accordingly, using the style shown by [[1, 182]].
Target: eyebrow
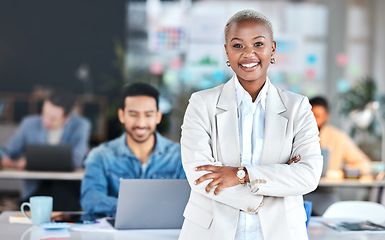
[[133, 111], [241, 39]]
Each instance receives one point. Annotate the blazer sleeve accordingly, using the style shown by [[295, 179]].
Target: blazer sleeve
[[280, 180], [198, 143]]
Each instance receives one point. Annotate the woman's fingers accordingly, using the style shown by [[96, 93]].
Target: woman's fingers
[[205, 177], [295, 159], [221, 177]]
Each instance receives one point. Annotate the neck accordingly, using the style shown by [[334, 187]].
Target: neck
[[142, 150], [253, 87]]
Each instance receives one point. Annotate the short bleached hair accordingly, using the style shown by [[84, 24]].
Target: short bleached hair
[[246, 15]]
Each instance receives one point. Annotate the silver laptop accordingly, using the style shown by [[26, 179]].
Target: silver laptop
[[151, 203], [44, 157], [325, 155]]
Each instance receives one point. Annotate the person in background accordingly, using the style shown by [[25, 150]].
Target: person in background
[[342, 149], [140, 152], [238, 141], [55, 125], [341, 152]]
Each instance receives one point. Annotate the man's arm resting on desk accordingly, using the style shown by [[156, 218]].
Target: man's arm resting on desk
[[96, 196]]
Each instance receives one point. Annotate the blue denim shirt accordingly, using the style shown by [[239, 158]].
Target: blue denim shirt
[[106, 164], [76, 132]]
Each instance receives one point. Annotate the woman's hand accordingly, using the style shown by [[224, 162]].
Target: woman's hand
[[222, 177]]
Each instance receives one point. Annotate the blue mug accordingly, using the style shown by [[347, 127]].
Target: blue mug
[[308, 208], [40, 207]]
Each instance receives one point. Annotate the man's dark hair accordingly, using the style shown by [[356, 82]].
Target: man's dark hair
[[62, 99], [320, 101], [139, 89]]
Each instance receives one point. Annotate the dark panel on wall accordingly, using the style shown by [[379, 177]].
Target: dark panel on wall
[[44, 42]]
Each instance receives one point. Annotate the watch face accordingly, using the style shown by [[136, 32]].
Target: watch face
[[241, 173]]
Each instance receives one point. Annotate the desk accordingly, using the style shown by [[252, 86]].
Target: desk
[[30, 232], [376, 186], [316, 230], [324, 182], [65, 184], [37, 175]]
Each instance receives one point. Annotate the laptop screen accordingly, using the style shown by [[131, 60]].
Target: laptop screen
[[151, 203], [44, 157]]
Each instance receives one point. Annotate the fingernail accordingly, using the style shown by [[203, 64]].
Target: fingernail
[[195, 182], [196, 168]]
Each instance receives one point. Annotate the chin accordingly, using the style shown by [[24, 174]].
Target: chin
[[141, 139], [248, 78]]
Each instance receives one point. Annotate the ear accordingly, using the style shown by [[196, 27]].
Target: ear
[[273, 47], [159, 115], [121, 115], [327, 116], [225, 45]]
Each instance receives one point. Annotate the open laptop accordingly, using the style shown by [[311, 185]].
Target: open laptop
[[44, 157], [325, 155], [151, 203]]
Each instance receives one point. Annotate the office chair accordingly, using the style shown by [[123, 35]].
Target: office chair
[[362, 210]]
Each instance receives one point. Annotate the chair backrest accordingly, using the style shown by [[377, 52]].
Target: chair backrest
[[361, 210]]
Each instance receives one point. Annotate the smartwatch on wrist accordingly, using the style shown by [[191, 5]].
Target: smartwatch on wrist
[[241, 174]]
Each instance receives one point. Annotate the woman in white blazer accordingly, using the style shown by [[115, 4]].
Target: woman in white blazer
[[235, 164]]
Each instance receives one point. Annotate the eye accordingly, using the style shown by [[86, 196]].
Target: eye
[[132, 114], [258, 44], [237, 45]]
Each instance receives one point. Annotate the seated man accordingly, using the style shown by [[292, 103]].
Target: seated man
[[55, 125], [342, 151], [140, 152]]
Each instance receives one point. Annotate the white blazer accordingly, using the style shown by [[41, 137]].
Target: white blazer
[[210, 136]]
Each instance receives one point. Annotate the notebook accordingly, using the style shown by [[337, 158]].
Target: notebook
[[44, 157], [151, 203]]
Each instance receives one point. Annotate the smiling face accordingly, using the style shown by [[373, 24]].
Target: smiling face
[[249, 48], [140, 117]]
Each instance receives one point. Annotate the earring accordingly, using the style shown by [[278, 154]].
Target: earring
[[272, 60], [228, 62]]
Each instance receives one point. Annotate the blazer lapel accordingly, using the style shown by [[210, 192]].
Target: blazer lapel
[[275, 126], [227, 125]]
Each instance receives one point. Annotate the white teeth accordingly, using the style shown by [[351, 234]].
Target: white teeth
[[249, 65]]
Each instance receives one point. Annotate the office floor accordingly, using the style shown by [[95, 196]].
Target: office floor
[[9, 202]]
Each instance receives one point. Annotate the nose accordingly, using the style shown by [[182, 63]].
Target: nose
[[141, 121], [248, 52]]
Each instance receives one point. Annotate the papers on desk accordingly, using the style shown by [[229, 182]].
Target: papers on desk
[[345, 226], [101, 225]]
